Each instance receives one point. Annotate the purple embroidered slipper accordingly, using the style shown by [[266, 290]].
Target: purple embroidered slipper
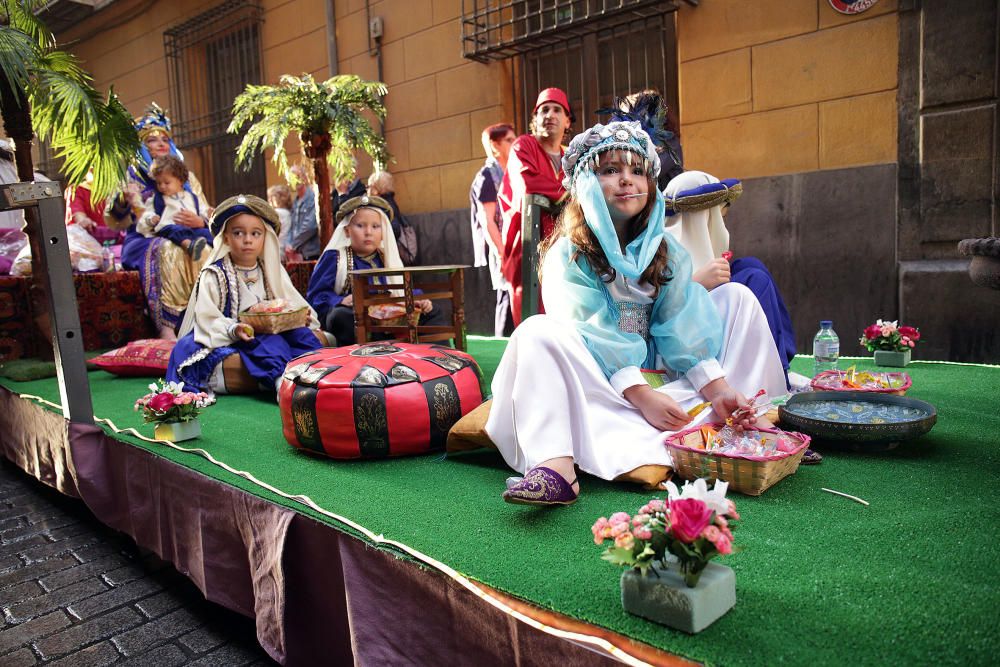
[[541, 486]]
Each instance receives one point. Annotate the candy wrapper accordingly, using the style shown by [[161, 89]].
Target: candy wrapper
[[728, 440]]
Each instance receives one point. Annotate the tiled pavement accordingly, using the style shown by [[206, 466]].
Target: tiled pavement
[[74, 592]]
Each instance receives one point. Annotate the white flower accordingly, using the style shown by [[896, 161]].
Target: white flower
[[174, 388], [714, 499], [154, 388]]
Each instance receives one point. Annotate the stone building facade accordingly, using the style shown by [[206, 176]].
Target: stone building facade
[[867, 143]]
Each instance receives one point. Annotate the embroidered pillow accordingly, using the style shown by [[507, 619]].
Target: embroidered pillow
[[147, 357]]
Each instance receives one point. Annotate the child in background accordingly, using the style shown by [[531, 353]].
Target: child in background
[[162, 215], [216, 352], [363, 239], [280, 198], [569, 391]]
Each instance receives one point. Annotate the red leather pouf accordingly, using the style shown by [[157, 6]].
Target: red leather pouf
[[378, 399]]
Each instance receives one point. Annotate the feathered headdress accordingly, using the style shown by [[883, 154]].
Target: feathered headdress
[[646, 109]]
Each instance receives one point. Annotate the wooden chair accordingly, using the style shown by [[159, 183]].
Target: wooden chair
[[366, 294]]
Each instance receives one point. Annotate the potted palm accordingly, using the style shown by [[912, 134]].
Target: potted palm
[[330, 118]]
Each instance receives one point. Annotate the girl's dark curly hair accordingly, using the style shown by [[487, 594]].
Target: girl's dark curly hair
[[572, 225]]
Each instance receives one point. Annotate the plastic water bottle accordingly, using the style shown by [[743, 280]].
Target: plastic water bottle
[[826, 348], [107, 257]]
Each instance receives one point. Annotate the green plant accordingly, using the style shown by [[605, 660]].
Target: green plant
[[44, 90], [330, 118]]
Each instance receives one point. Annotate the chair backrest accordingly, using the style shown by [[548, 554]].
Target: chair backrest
[[531, 236]]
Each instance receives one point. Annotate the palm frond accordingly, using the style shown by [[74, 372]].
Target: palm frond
[[18, 53], [62, 96], [108, 147], [20, 15]]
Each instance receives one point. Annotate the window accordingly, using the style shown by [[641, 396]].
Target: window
[[210, 60], [597, 67], [594, 50]]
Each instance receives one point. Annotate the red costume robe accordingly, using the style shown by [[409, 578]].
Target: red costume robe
[[529, 171]]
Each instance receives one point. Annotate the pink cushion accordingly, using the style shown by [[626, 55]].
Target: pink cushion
[[147, 357]]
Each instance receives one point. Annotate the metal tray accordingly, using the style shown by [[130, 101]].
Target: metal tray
[[861, 418]]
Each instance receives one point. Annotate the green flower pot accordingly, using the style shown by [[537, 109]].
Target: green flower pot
[[662, 596], [892, 358]]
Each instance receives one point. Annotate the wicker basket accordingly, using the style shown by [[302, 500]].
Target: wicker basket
[[832, 381], [272, 323], [751, 475]]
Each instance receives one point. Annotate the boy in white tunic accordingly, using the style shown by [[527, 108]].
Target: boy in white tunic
[[569, 391]]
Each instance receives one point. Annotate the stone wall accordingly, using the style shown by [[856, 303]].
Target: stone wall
[[949, 172], [438, 102], [782, 87]]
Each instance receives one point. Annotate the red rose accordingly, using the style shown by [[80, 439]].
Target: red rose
[[161, 402], [688, 517], [873, 332], [910, 332]]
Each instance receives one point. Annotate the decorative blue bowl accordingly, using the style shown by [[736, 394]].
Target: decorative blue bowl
[[865, 420]]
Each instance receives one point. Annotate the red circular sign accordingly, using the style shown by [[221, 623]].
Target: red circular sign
[[852, 6]]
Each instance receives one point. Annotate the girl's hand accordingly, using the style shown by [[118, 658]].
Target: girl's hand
[[348, 300], [423, 305], [714, 273], [726, 400], [658, 409]]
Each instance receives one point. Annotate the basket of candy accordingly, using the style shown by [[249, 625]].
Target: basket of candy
[[875, 382], [391, 315], [274, 316], [751, 461]]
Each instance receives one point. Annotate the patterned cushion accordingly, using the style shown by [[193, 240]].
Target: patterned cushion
[[147, 357]]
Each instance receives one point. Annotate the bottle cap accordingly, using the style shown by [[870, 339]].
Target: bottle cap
[[826, 324]]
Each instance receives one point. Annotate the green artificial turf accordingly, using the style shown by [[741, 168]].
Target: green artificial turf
[[910, 579]]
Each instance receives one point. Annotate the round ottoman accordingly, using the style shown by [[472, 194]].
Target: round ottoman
[[376, 400]]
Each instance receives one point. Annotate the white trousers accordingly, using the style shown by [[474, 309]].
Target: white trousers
[[551, 399]]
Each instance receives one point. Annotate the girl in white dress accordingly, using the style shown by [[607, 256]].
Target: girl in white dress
[[569, 392]]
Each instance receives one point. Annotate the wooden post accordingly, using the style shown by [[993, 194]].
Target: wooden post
[[359, 288], [458, 306]]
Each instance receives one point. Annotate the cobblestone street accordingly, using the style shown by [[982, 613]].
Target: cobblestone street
[[74, 592]]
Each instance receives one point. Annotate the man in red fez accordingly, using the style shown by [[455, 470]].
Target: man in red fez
[[534, 167]]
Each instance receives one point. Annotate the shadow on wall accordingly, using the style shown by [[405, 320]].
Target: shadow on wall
[[445, 237], [829, 239]]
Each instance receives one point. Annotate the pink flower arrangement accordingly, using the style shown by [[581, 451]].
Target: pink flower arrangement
[[886, 335], [168, 402], [690, 527]]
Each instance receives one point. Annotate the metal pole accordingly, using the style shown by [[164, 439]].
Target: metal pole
[[67, 337]]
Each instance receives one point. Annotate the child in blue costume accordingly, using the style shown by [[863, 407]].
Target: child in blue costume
[[174, 194], [243, 269], [363, 239], [619, 297]]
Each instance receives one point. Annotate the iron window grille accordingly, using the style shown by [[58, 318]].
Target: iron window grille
[[597, 66], [210, 60], [499, 29]]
